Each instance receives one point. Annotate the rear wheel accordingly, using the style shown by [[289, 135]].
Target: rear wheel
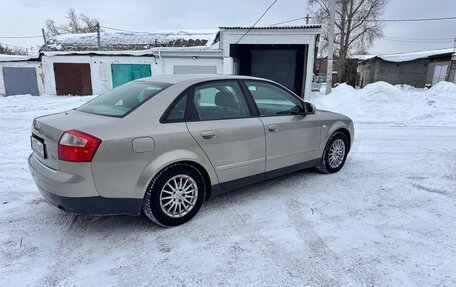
[[335, 154], [175, 195]]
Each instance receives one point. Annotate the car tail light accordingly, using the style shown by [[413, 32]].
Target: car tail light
[[77, 146]]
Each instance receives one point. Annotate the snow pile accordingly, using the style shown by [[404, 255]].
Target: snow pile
[[377, 102], [442, 97], [443, 88]]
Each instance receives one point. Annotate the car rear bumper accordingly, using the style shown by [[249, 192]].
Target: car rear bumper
[[63, 190]]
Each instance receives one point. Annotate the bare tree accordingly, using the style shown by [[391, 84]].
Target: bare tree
[[357, 26], [51, 28], [6, 50], [76, 25]]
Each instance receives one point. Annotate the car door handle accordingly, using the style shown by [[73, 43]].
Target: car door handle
[[208, 135], [273, 128]]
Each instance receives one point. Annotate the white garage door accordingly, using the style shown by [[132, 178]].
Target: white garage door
[[440, 72], [188, 69]]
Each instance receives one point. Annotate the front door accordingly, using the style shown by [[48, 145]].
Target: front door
[[292, 136], [220, 121]]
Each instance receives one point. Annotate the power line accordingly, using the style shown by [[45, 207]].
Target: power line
[[261, 17], [19, 37], [122, 30], [399, 39], [414, 20], [14, 46], [379, 20], [289, 21]]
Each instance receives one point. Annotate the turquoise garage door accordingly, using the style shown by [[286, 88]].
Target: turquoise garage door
[[124, 73]]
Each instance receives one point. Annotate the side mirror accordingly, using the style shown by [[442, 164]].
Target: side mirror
[[310, 108]]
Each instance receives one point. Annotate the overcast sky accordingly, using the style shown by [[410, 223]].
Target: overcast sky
[[27, 17]]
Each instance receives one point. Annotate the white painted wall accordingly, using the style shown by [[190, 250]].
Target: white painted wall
[[28, 64], [170, 62], [309, 69], [100, 67], [300, 36]]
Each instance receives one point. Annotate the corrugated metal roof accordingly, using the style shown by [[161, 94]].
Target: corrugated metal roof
[[310, 26]]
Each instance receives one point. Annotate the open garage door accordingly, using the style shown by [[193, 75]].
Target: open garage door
[[20, 81], [276, 65]]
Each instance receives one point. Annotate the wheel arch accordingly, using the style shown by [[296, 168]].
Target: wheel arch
[[346, 133], [165, 161], [204, 173], [330, 129]]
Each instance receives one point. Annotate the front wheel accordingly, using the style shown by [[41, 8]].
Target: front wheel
[[335, 154], [175, 195]]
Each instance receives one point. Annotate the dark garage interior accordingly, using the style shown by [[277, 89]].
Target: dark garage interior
[[284, 64]]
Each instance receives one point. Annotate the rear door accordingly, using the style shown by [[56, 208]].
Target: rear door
[[221, 122], [292, 137]]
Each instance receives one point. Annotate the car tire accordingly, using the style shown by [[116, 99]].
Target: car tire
[[175, 195], [334, 154]]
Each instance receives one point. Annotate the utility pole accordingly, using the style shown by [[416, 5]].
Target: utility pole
[[44, 36], [307, 19], [98, 36], [329, 71]]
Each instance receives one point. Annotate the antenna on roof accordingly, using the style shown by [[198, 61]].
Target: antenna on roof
[[98, 36], [44, 36]]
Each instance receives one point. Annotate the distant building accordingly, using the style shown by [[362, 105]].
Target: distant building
[[321, 68], [418, 69], [82, 64]]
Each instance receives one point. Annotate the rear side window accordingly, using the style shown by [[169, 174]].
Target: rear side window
[[177, 110], [218, 100], [124, 99]]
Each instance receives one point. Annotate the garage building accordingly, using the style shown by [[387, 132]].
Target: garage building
[[76, 64]]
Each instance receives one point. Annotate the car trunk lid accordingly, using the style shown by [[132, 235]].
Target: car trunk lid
[[47, 131]]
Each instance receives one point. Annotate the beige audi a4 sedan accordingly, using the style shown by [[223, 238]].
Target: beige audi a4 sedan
[[165, 144]]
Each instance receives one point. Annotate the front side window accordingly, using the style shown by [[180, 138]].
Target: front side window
[[272, 100], [124, 99], [219, 100]]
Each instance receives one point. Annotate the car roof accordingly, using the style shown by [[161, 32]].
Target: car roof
[[174, 79]]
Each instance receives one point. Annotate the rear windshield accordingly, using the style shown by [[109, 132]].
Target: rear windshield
[[124, 99]]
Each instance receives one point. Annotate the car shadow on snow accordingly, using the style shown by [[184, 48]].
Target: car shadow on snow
[[269, 189]]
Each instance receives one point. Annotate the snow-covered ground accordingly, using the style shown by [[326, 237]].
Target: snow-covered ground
[[386, 219]]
